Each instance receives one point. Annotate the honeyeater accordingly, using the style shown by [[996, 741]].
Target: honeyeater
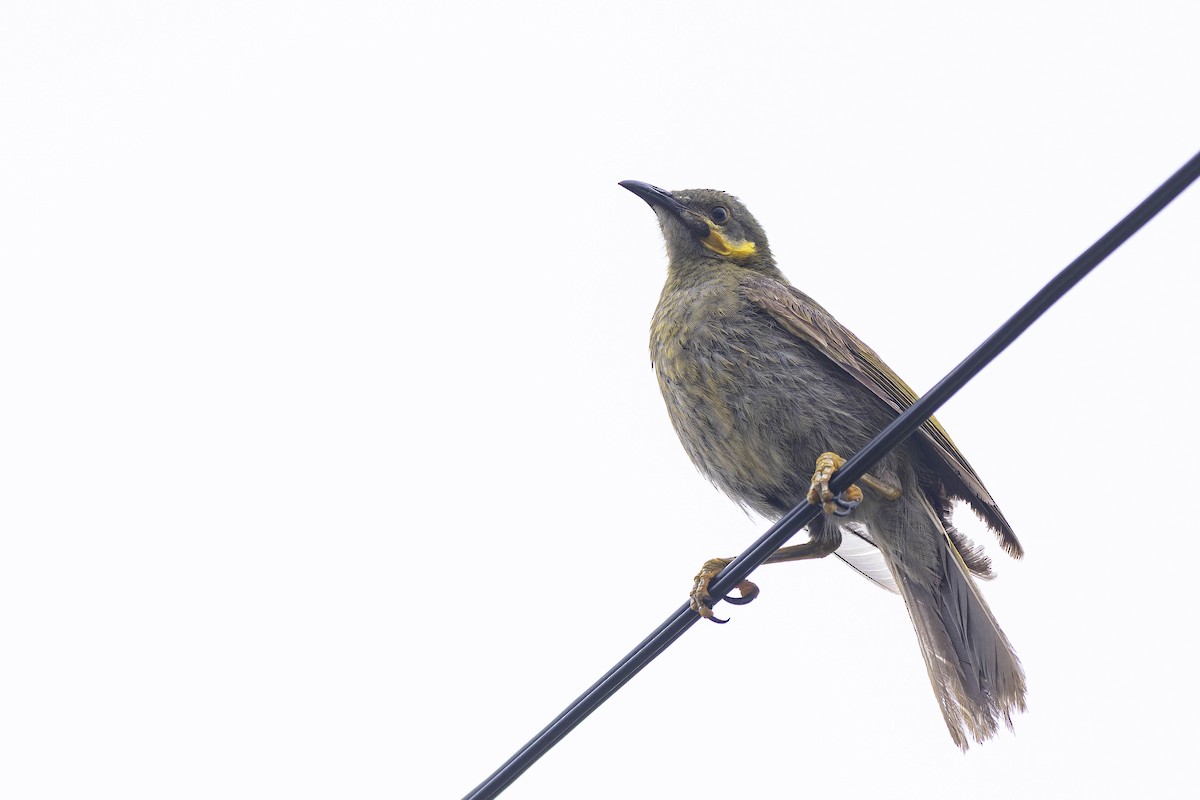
[[763, 385]]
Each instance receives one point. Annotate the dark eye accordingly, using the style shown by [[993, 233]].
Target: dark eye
[[720, 215]]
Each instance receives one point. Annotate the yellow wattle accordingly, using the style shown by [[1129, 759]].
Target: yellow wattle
[[717, 242]]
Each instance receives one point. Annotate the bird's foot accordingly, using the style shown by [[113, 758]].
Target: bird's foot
[[701, 600], [819, 493]]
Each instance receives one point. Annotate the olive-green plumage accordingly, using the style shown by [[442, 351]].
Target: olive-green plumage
[[759, 380]]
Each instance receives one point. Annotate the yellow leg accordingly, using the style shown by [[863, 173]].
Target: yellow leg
[[701, 600], [818, 547], [819, 493]]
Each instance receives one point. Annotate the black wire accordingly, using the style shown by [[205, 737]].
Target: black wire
[[788, 525]]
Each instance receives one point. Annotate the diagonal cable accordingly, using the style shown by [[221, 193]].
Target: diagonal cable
[[790, 523]]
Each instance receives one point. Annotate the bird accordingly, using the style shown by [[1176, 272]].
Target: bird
[[767, 392]]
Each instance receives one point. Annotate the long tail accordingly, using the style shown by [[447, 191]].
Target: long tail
[[974, 671]]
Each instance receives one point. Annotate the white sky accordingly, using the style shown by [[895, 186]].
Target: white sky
[[332, 463]]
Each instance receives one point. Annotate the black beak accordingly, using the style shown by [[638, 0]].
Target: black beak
[[653, 195]]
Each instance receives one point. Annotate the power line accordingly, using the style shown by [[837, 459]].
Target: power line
[[788, 525]]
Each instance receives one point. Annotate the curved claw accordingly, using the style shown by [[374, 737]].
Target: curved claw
[[701, 600], [847, 501], [704, 609], [748, 591]]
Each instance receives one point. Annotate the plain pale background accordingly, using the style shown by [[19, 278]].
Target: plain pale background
[[332, 463]]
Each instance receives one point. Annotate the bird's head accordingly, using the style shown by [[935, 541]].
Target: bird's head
[[706, 224]]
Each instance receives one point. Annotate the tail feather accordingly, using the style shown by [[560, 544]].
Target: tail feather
[[975, 674]]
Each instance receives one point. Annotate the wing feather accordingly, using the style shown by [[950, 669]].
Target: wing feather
[[804, 318]]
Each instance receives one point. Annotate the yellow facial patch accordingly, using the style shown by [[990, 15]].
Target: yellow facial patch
[[717, 242]]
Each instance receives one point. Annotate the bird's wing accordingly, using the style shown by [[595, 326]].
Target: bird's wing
[[804, 318]]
